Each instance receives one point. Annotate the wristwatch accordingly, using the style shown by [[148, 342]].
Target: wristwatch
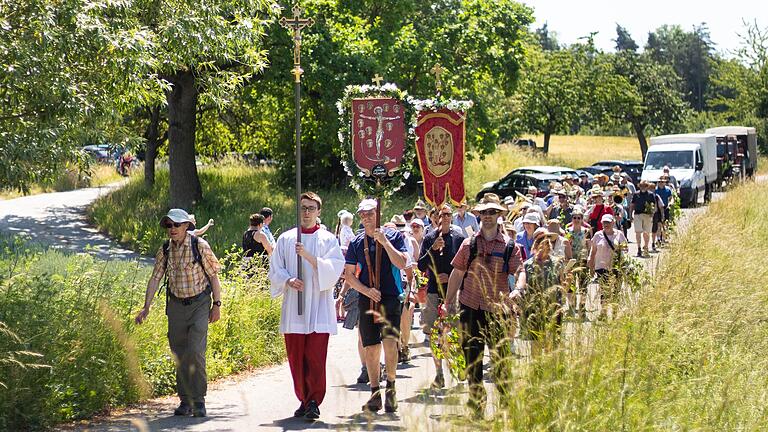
[[217, 303]]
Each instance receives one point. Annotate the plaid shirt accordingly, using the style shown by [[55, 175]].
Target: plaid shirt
[[486, 285], [185, 277]]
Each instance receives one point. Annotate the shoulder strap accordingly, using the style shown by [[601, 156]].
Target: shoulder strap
[[508, 251], [472, 255], [610, 243]]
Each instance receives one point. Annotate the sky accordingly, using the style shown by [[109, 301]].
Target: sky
[[571, 19]]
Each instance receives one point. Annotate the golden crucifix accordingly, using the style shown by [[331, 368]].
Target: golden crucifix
[[296, 24], [437, 71], [377, 80]]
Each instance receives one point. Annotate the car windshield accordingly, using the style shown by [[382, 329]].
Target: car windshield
[[681, 159]]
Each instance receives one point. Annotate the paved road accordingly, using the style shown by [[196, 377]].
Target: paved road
[[260, 400], [58, 220]]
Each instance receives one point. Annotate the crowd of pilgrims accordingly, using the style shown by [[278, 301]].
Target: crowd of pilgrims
[[566, 238]]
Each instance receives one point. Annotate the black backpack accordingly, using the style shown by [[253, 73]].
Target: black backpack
[[508, 251]]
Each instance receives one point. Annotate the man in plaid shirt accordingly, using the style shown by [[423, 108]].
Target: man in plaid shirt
[[189, 307]]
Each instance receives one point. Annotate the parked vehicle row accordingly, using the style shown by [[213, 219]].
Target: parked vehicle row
[[698, 163]]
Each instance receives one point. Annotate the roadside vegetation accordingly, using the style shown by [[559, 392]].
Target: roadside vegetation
[[69, 348], [689, 356]]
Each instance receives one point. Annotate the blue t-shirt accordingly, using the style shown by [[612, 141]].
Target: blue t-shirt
[[391, 284], [664, 194]]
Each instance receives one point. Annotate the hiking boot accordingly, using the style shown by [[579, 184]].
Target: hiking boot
[[439, 382], [199, 409], [313, 411], [363, 378], [374, 403], [301, 411], [390, 398], [183, 410]]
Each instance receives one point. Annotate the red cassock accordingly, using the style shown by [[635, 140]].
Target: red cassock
[[440, 150]]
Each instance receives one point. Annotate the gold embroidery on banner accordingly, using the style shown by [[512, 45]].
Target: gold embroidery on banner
[[438, 145]]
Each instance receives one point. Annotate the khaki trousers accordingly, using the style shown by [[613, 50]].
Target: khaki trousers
[[188, 337]]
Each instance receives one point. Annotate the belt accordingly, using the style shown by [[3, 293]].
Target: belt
[[186, 301]]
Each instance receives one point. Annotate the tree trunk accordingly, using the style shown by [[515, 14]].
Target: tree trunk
[[182, 106], [152, 135], [640, 132], [547, 135]]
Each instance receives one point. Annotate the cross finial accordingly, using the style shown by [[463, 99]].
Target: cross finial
[[296, 24], [437, 71], [377, 80]]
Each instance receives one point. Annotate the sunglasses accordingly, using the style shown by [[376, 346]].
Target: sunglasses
[[489, 212], [174, 224], [577, 218], [446, 214]]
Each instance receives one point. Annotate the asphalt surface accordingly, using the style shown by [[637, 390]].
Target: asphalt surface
[[263, 399]]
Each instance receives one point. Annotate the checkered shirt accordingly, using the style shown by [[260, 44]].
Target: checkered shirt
[[486, 286], [185, 277]]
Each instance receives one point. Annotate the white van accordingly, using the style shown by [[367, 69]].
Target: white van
[[692, 161]]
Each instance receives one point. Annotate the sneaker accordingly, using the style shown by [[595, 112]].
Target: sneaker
[[183, 410], [374, 403], [390, 398], [439, 382], [639, 253], [313, 411], [300, 412], [199, 409], [363, 378]]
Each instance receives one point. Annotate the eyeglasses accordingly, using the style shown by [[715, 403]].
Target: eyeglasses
[[489, 212], [174, 224], [309, 209], [446, 214], [416, 226], [577, 218]]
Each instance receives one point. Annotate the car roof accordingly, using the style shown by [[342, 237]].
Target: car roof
[[542, 176], [545, 168]]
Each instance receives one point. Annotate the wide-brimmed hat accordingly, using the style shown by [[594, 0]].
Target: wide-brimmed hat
[[399, 221], [596, 191], [420, 205], [366, 204], [531, 218], [616, 177], [543, 231], [490, 201], [577, 210], [179, 216], [509, 226]]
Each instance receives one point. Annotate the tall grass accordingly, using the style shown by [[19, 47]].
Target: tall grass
[[690, 356], [67, 321]]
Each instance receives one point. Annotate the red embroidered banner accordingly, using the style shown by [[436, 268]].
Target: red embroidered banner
[[440, 150], [378, 135]]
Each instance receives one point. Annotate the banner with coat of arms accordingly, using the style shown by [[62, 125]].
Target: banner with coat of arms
[[440, 149]]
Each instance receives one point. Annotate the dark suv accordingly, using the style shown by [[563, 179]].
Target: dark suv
[[631, 167], [514, 182]]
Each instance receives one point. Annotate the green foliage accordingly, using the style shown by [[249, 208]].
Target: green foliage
[[68, 326], [479, 42]]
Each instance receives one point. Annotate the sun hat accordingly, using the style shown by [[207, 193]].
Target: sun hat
[[577, 210], [366, 204], [607, 218], [399, 221], [616, 177], [490, 201], [417, 221], [531, 218], [419, 205], [509, 226], [179, 216], [553, 223], [543, 231]]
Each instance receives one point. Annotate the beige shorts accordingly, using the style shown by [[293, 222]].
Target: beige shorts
[[429, 314], [643, 223]]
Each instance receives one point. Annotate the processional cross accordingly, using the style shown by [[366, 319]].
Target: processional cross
[[296, 25], [437, 71]]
